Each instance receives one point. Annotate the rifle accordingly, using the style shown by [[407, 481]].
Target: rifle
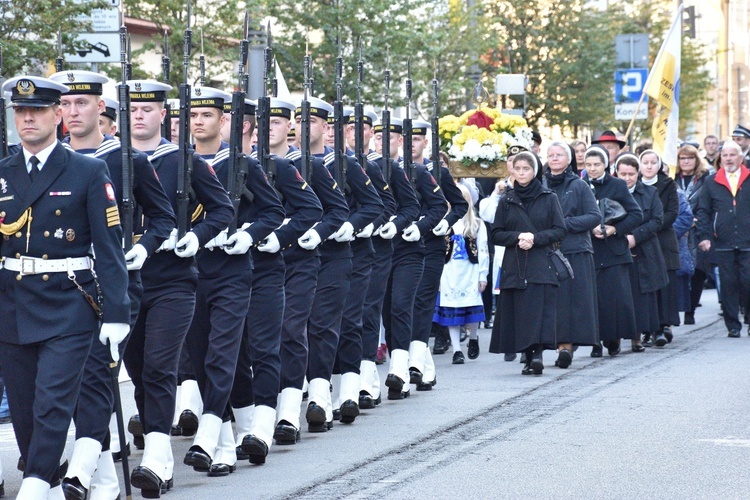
[[203, 63], [437, 168], [274, 81], [237, 164], [338, 125], [185, 151], [359, 120], [408, 161], [59, 60], [129, 63], [305, 122], [166, 127], [3, 124], [127, 208], [264, 110], [385, 135]]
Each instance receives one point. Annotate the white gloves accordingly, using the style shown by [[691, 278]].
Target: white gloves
[[270, 244], [188, 246], [218, 241], [114, 333], [169, 243], [412, 233], [388, 231], [442, 228], [344, 234], [239, 243], [310, 240], [367, 231], [135, 257]]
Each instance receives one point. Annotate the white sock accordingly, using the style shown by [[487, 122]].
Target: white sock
[[455, 337], [473, 335]]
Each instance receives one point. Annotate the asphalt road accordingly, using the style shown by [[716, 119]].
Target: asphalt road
[[667, 423]]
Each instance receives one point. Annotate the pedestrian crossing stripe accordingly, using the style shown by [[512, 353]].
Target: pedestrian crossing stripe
[[113, 216]]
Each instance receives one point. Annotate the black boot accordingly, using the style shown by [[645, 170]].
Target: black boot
[[689, 318], [442, 340]]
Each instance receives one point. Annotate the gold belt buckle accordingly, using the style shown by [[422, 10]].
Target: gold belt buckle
[[28, 266]]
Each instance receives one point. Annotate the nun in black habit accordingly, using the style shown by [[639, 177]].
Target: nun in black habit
[[612, 255]]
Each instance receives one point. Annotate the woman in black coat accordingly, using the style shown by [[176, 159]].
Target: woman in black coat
[[528, 221], [692, 172], [577, 311], [612, 256], [648, 272], [652, 175]]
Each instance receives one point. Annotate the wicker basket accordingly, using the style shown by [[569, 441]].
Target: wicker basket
[[492, 169]]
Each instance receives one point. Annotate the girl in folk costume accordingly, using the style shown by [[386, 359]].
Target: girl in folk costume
[[463, 280]]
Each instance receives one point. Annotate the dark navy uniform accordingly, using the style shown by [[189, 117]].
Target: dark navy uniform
[[48, 326], [429, 285], [403, 212], [406, 273], [302, 268], [96, 399], [259, 369]]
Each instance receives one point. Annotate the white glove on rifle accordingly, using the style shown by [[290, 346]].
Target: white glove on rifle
[[270, 244], [367, 231], [310, 240], [135, 257], [442, 228], [411, 233], [218, 241], [169, 243], [239, 243], [344, 234], [115, 333], [188, 246], [388, 231]]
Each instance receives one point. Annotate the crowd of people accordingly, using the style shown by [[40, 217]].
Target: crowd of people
[[231, 336]]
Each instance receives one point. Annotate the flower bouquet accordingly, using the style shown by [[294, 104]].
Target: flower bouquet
[[478, 141]]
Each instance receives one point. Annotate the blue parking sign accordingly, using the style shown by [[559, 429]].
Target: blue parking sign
[[629, 84]]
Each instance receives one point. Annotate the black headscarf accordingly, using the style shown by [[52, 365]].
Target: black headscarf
[[529, 191]]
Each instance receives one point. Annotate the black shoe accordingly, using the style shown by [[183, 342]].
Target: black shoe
[[488, 324], [689, 318], [458, 358], [536, 364], [637, 348], [596, 351], [564, 359], [395, 387], [241, 455], [336, 414], [660, 340], [735, 334], [316, 418], [147, 481], [613, 349], [198, 459], [188, 422], [527, 369], [135, 427], [440, 345], [255, 448], [73, 490], [648, 340], [366, 402], [415, 376], [285, 433], [21, 465], [176, 430], [510, 356], [473, 348], [427, 386], [117, 455], [349, 411], [668, 334], [221, 470]]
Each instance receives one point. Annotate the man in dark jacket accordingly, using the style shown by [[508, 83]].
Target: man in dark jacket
[[724, 212]]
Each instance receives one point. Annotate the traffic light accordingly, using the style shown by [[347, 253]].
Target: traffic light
[[688, 21]]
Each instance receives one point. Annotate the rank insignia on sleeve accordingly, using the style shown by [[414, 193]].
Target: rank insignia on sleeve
[[113, 216], [3, 185], [110, 192]]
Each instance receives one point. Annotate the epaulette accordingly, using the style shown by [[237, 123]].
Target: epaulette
[[219, 157], [163, 150]]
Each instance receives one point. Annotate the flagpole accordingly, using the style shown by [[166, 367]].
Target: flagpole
[[678, 16]]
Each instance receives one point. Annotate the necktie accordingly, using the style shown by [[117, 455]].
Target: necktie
[[34, 161]]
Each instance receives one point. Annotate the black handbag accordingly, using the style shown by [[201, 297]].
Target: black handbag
[[560, 263], [611, 211]]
